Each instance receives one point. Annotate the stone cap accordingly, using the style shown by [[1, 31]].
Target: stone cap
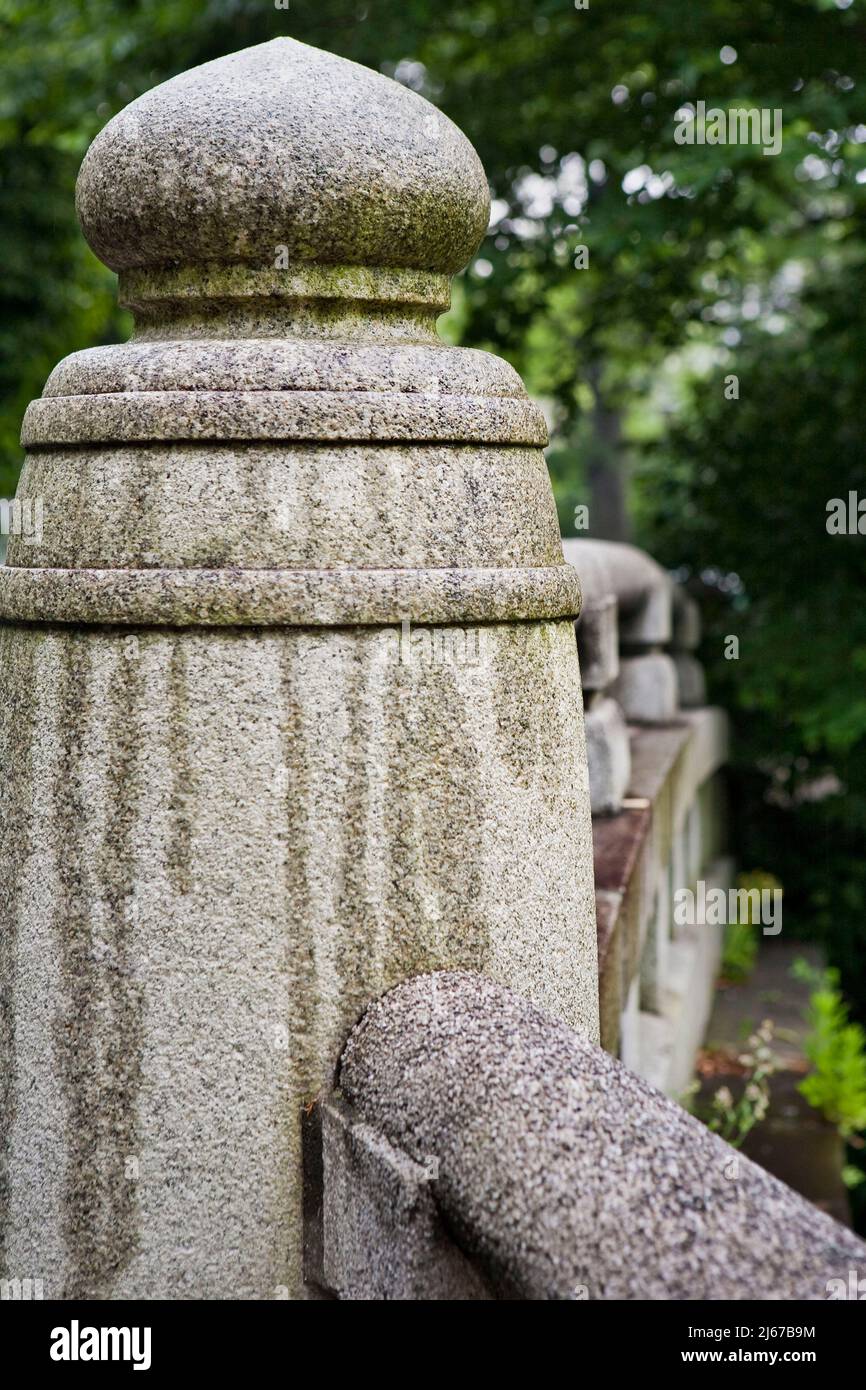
[[285, 440], [282, 145]]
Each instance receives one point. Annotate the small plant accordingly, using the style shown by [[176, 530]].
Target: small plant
[[739, 952], [740, 949], [836, 1048], [732, 1117]]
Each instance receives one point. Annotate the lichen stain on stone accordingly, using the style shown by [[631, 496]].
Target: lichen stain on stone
[[178, 857], [527, 672], [98, 1082], [292, 833], [452, 817], [358, 955], [17, 731], [434, 815], [124, 1047]]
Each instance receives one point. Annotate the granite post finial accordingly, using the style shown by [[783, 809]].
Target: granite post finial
[[290, 691]]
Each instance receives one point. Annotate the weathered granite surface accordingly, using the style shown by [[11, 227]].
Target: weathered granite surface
[[643, 590], [291, 699], [375, 1198], [334, 507], [277, 597], [560, 1173], [608, 755], [338, 163], [158, 415], [217, 848]]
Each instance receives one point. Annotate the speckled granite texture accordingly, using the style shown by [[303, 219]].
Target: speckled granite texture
[[281, 415], [217, 848], [277, 598], [560, 1172], [313, 506], [336, 162], [291, 707]]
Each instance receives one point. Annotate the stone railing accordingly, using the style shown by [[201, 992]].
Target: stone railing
[[480, 1149], [291, 713], [654, 753]]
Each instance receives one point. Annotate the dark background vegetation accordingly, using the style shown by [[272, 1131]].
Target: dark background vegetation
[[703, 261]]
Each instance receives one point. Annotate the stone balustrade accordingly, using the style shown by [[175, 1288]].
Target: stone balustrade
[[480, 1149], [291, 713], [655, 755]]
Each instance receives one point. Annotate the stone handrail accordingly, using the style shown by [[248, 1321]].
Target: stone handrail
[[482, 1149], [655, 755], [636, 634], [644, 592]]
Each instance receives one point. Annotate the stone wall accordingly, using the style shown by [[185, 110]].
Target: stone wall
[[655, 754]]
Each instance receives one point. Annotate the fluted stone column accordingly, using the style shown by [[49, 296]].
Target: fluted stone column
[[290, 699]]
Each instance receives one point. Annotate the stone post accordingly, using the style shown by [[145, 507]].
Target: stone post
[[645, 687], [291, 707], [685, 640]]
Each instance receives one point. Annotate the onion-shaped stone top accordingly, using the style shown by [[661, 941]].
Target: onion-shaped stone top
[[283, 145], [285, 440]]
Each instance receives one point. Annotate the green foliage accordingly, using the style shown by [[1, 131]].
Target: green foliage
[[740, 951], [836, 1049], [531, 81]]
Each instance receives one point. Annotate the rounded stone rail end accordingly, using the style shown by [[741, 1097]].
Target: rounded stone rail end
[[481, 1149]]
